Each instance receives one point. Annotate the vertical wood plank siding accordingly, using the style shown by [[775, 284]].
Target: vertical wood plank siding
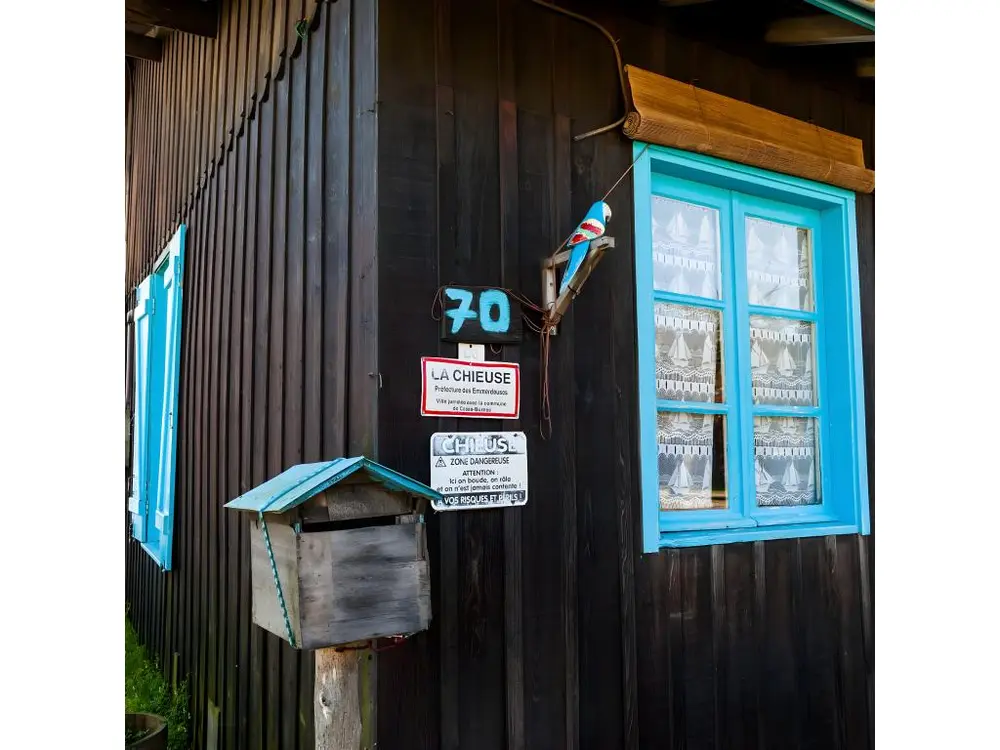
[[550, 630], [247, 138], [302, 331]]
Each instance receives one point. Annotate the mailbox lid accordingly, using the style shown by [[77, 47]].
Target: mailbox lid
[[298, 484]]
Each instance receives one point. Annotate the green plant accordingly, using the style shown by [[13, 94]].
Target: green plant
[[134, 735], [146, 691]]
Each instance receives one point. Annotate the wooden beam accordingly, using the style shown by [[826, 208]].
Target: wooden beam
[[143, 47], [679, 115], [190, 16], [866, 67], [810, 30]]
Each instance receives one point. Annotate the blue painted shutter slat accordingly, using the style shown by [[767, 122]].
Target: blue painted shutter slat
[[171, 296], [143, 318]]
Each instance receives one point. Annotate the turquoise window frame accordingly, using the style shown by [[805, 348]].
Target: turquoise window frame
[[738, 191], [157, 322]]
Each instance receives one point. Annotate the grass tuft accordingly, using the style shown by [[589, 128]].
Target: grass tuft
[[146, 691]]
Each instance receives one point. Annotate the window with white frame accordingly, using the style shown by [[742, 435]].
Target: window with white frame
[[749, 339], [156, 321]]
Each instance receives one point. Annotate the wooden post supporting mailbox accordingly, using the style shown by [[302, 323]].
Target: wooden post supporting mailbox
[[338, 557]]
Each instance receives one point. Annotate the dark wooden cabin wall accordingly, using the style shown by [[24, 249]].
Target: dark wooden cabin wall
[[280, 214], [192, 106], [550, 629]]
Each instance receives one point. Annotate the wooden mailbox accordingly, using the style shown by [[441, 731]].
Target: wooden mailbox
[[339, 553]]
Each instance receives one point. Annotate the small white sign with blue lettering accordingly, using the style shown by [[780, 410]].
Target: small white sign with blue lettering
[[479, 469]]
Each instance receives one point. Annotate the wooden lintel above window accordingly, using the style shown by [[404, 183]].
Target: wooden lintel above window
[[670, 113]]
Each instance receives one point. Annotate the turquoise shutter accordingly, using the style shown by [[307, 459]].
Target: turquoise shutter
[[172, 272], [138, 501]]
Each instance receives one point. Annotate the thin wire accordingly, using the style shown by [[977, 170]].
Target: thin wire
[[545, 341], [544, 327], [625, 173], [618, 59]]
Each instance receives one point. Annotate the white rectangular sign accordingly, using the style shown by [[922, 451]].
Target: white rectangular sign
[[455, 388], [479, 469]]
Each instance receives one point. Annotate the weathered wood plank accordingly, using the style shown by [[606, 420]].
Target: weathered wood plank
[[196, 331], [510, 260], [313, 164], [228, 467], [699, 656], [266, 607], [213, 499], [408, 264], [476, 259], [247, 642], [679, 115], [369, 582], [739, 652], [347, 502], [223, 89], [607, 636], [363, 352], [336, 218]]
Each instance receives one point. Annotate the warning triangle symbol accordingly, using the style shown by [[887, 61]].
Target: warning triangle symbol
[[440, 463]]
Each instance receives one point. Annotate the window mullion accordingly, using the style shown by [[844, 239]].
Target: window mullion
[[735, 478], [829, 497], [742, 410]]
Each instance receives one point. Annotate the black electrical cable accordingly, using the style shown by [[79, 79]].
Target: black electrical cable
[[618, 59]]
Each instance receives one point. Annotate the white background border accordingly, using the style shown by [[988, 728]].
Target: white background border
[[61, 307]]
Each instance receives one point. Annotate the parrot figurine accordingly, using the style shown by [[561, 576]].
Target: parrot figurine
[[592, 227]]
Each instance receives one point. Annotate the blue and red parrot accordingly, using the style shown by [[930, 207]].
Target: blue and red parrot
[[592, 227]]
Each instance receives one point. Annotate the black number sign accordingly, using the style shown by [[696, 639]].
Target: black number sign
[[479, 316]]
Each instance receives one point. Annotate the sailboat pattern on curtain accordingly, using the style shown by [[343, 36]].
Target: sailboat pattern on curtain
[[687, 357], [777, 265], [781, 367], [685, 248], [685, 448], [785, 461]]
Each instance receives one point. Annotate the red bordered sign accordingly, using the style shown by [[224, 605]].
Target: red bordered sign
[[456, 388]]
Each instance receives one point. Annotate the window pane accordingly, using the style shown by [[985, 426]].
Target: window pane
[[781, 361], [691, 460], [778, 265], [688, 354], [685, 248], [785, 465]]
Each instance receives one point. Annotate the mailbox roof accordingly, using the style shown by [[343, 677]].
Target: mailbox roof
[[299, 483]]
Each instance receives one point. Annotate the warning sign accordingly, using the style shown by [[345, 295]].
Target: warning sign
[[456, 388], [479, 469]]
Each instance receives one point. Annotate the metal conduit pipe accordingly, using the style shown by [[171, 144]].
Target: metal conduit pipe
[[618, 60]]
